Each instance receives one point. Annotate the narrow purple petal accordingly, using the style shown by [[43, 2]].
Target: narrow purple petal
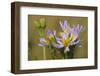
[[65, 24], [41, 45], [59, 42], [74, 43], [78, 28], [64, 35], [81, 27], [75, 31], [49, 32], [42, 40], [60, 46], [57, 45], [54, 33], [61, 25], [57, 38]]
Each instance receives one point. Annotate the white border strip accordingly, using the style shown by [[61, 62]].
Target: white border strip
[[25, 64]]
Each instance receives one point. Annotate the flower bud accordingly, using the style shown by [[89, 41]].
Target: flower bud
[[37, 24], [42, 23]]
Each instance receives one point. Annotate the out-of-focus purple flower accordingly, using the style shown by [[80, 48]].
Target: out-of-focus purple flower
[[43, 42], [49, 39]]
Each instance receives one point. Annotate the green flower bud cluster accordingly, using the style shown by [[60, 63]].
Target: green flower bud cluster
[[41, 23]]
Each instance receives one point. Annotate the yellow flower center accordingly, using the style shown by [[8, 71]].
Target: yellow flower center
[[65, 30], [47, 42], [49, 39], [66, 41]]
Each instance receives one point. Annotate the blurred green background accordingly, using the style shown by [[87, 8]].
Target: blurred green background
[[52, 22]]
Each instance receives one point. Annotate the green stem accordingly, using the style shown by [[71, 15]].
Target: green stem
[[63, 54], [70, 55], [41, 33], [44, 53], [53, 54]]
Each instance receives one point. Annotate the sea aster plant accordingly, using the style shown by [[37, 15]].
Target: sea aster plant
[[68, 37], [48, 42]]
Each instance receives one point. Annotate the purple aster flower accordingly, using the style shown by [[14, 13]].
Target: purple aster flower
[[68, 37]]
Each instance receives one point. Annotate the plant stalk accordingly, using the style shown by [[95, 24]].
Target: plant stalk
[[44, 53]]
